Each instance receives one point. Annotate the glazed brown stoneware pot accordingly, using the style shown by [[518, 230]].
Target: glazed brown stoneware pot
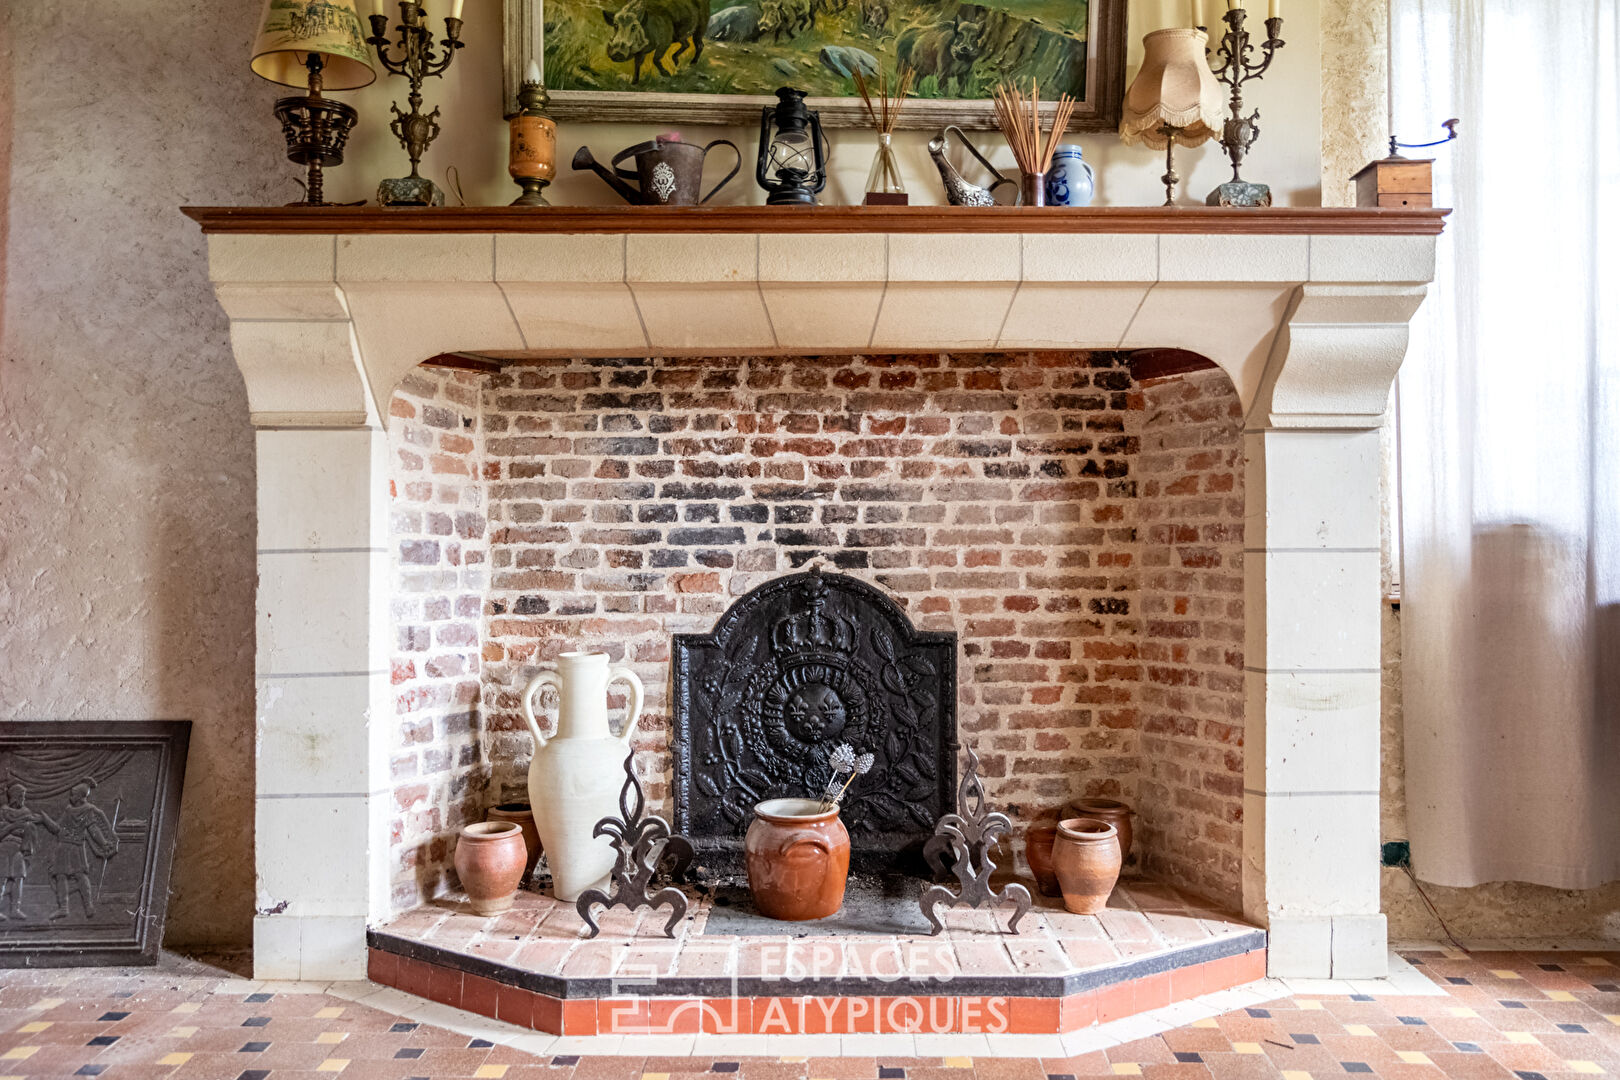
[[519, 814], [1038, 841], [1114, 812], [797, 856], [489, 860], [1086, 858]]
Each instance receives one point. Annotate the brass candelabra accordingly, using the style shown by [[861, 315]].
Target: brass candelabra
[[1236, 67], [416, 60]]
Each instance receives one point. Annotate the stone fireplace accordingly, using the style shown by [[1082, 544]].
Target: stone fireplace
[[1163, 580]]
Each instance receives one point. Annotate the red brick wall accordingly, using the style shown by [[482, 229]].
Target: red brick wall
[[1190, 514], [1000, 496], [440, 554]]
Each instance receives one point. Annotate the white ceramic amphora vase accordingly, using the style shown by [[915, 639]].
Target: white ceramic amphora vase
[[576, 774]]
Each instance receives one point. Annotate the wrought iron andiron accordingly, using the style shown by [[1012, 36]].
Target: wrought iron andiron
[[640, 843], [1240, 132], [414, 130], [969, 835]]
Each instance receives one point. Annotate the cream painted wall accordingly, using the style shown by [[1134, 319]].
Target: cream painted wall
[[474, 139]]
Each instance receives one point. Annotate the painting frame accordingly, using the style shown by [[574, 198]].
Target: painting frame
[[1099, 111]]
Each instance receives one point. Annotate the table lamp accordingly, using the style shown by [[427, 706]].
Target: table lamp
[[316, 44], [1174, 98]]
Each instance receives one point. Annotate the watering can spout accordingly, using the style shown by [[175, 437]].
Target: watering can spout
[[584, 160]]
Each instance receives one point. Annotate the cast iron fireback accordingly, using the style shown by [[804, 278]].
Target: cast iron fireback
[[796, 667]]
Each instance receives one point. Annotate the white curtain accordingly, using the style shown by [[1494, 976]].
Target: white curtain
[[1509, 412]]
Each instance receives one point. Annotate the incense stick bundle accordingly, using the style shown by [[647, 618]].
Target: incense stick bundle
[[884, 112], [1019, 118]]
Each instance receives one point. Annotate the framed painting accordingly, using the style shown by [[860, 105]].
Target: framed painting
[[719, 61]]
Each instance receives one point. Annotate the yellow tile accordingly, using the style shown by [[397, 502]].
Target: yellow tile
[[1596, 961], [183, 1032], [1506, 974], [1462, 1010], [13, 1078], [19, 1053], [1127, 1068], [37, 1025], [495, 1072], [1358, 1029], [959, 1063], [655, 1076], [1611, 1018], [1247, 1048], [330, 1037], [1452, 954], [176, 1058], [187, 1007], [1312, 1006], [1521, 1037], [1585, 1067], [1205, 1022], [792, 1060], [1413, 1057], [1296, 1074], [330, 1014], [46, 1003], [1560, 995], [333, 1065]]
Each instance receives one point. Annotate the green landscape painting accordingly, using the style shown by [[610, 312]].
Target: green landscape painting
[[751, 47]]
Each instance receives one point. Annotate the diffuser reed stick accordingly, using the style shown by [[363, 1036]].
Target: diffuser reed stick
[[1019, 118], [883, 108]]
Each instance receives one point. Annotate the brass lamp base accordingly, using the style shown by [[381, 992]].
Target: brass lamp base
[[316, 129], [533, 192]]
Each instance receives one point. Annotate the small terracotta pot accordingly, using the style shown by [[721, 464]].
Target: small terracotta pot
[[1086, 858], [797, 856], [519, 814], [1114, 812], [489, 861], [1038, 841]]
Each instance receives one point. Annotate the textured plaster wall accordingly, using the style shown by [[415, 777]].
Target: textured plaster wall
[[1355, 101], [126, 460]]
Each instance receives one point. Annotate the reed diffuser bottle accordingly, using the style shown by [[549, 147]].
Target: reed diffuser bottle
[[884, 187]]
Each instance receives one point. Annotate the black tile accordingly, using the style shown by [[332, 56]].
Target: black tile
[[1361, 997], [1550, 967], [1306, 1039], [112, 1016], [256, 1021], [408, 1052], [480, 1044], [726, 1066], [566, 1059], [1458, 980], [1259, 1014], [1189, 1057], [1513, 1004], [124, 994], [1413, 1021], [254, 1048], [1524, 1075], [102, 1040], [891, 1074], [1607, 988], [1059, 1076], [254, 1074], [403, 1027], [256, 998], [91, 1070], [1356, 1066], [1572, 1029], [1469, 1048]]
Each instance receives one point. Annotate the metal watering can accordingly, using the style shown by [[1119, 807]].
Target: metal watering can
[[668, 172]]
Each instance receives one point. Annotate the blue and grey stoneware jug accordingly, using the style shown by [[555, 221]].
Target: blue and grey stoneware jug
[[1070, 181]]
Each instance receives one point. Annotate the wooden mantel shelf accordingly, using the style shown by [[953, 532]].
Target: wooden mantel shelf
[[1315, 221]]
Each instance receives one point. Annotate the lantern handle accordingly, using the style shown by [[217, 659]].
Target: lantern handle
[[823, 152], [764, 146]]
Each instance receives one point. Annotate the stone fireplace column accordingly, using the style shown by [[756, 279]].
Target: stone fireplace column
[[1311, 611]]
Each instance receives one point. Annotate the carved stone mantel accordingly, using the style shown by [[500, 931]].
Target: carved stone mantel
[[1306, 311]]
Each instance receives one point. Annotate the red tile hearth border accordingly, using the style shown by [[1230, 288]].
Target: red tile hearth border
[[845, 1015]]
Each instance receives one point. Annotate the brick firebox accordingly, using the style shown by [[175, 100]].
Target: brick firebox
[[1080, 530], [1306, 311]]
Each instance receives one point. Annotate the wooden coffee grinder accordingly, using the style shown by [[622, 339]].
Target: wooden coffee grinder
[[1400, 181]]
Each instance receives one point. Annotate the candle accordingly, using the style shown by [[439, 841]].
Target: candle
[[533, 73], [455, 9], [1198, 13], [1276, 10], [377, 7], [1234, 5]]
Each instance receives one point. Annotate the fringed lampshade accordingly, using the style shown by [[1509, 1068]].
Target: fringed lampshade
[[1173, 99]]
